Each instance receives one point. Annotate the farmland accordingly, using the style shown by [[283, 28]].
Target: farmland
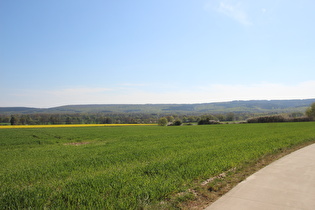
[[129, 167], [71, 125]]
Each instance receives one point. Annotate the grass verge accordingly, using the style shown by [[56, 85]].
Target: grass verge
[[204, 194]]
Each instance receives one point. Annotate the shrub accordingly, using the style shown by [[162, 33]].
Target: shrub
[[299, 119], [267, 119], [208, 122], [175, 123], [162, 121], [277, 118]]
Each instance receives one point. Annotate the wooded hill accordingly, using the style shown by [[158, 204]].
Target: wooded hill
[[253, 106]]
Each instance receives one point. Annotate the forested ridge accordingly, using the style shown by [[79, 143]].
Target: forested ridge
[[151, 113], [253, 106]]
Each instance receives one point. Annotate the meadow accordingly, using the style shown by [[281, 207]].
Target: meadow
[[129, 167]]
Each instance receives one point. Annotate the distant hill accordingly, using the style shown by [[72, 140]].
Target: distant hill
[[13, 110], [253, 106]]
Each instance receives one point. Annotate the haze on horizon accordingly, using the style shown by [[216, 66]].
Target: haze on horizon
[[55, 53]]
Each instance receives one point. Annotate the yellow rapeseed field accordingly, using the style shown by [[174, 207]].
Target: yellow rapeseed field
[[69, 125]]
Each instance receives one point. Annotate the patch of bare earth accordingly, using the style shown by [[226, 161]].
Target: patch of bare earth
[[206, 192], [77, 143]]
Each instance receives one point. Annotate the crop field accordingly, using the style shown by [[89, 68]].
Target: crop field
[[70, 125], [128, 167]]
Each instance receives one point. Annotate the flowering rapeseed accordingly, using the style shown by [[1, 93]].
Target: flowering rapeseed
[[69, 125]]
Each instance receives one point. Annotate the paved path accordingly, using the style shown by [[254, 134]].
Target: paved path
[[286, 184]]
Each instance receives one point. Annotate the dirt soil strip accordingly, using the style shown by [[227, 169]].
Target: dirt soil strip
[[77, 143]]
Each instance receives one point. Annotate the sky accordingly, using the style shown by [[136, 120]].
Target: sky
[[66, 52]]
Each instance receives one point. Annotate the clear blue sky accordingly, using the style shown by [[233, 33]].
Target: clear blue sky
[[60, 52]]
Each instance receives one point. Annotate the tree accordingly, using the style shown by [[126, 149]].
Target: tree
[[6, 120], [22, 120], [68, 120], [177, 122], [162, 121], [170, 119], [13, 120], [208, 117], [230, 116], [108, 120], [310, 112]]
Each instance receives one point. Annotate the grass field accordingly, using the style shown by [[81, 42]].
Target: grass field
[[131, 167]]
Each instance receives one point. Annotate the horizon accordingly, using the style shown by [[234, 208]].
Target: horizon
[[157, 103], [56, 53]]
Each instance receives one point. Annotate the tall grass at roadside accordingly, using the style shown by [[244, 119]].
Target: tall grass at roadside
[[128, 167]]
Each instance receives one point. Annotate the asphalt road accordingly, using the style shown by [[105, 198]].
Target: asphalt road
[[286, 184]]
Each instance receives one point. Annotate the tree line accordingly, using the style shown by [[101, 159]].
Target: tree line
[[105, 118], [145, 118], [97, 118]]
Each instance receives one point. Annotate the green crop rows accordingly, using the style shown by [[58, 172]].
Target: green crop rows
[[128, 167]]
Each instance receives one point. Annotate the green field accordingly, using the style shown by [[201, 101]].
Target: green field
[[128, 167]]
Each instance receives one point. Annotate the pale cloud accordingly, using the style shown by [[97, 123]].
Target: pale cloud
[[175, 95], [266, 91], [220, 92], [50, 98], [234, 11]]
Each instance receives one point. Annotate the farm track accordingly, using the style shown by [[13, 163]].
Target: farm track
[[287, 183]]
